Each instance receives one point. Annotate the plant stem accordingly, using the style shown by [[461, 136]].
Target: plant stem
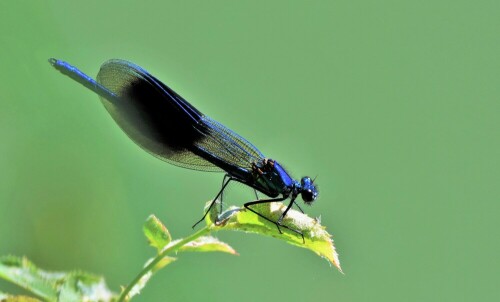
[[158, 258]]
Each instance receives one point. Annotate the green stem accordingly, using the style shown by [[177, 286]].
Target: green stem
[[151, 265]]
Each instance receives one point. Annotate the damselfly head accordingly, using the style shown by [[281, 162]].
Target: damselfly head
[[308, 190]]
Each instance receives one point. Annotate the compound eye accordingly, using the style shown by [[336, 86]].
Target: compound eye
[[308, 196]]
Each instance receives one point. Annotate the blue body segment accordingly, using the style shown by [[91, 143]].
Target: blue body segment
[[285, 181], [83, 79]]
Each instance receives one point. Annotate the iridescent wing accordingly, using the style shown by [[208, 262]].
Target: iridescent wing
[[167, 126]]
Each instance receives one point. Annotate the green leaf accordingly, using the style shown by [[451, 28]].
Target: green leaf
[[200, 244], [162, 263], [84, 287], [197, 242], [156, 233], [51, 286], [25, 274], [316, 238], [208, 244], [7, 298]]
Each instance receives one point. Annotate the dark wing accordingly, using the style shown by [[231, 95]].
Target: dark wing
[[167, 126], [153, 115]]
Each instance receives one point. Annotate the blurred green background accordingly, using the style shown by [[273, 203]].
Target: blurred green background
[[393, 104]]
